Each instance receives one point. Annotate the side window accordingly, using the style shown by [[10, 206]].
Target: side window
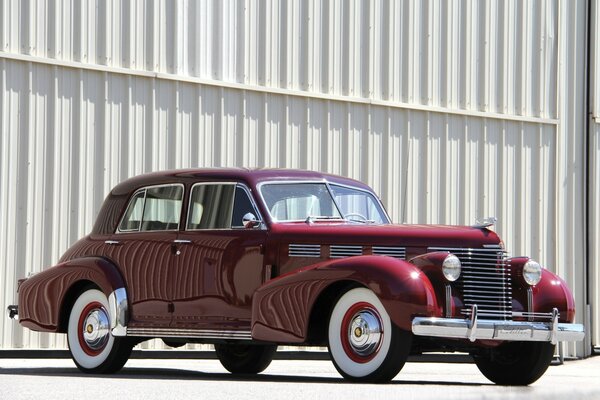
[[153, 209], [211, 206], [242, 205], [133, 216], [162, 208]]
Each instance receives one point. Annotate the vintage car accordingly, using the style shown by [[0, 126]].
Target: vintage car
[[249, 259]]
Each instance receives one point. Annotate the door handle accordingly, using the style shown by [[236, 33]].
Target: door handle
[[112, 242], [182, 241]]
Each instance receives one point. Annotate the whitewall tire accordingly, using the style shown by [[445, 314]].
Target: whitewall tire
[[364, 343], [92, 346]]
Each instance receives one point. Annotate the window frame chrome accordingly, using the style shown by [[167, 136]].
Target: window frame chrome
[[145, 190], [231, 228]]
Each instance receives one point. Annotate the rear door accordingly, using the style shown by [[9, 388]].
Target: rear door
[[143, 248]]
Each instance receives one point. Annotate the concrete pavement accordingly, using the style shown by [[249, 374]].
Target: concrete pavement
[[284, 379]]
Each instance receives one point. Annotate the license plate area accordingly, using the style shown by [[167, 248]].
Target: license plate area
[[512, 332]]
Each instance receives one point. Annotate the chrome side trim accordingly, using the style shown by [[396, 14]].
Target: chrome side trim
[[390, 251], [118, 311], [304, 250], [498, 330], [189, 333], [342, 251]]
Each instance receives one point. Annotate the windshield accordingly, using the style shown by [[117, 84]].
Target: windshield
[[358, 205], [300, 201]]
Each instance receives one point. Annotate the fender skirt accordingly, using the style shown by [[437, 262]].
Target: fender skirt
[[281, 308], [42, 296]]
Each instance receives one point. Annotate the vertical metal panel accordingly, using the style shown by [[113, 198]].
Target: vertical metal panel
[[497, 56], [570, 202], [73, 126], [594, 174]]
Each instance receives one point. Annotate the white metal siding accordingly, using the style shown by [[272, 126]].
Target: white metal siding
[[450, 110], [593, 178]]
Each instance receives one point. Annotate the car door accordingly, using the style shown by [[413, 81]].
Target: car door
[[143, 248], [219, 262]]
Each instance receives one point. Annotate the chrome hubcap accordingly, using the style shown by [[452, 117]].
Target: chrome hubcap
[[364, 333], [96, 329]]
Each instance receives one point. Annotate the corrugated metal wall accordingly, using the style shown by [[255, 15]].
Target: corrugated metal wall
[[450, 110], [593, 174]]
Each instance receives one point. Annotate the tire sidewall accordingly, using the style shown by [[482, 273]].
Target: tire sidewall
[[342, 361], [81, 358]]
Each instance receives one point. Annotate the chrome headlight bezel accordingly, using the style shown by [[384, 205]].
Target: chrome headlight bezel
[[532, 272], [451, 268]]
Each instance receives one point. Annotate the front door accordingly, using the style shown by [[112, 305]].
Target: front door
[[219, 261], [143, 248]]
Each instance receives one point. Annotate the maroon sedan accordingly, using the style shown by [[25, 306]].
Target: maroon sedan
[[249, 259]]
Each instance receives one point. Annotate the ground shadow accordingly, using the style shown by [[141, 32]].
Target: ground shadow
[[183, 374]]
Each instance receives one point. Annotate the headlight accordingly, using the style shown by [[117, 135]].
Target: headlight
[[451, 267], [532, 272]]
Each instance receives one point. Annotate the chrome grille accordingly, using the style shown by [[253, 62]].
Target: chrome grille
[[304, 250], [484, 280], [390, 251], [341, 251]]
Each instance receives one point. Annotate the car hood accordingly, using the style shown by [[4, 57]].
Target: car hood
[[391, 234]]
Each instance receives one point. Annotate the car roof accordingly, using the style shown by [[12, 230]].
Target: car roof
[[116, 201], [250, 176]]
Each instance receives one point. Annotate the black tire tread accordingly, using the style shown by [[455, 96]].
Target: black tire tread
[[527, 362], [245, 359]]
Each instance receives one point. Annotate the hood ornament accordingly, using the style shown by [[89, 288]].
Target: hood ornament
[[485, 222]]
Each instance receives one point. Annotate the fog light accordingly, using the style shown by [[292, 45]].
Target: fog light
[[451, 267]]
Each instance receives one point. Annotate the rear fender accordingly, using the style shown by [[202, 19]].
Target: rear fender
[[281, 308], [46, 296]]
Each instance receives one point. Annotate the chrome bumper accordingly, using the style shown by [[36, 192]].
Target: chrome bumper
[[474, 329], [13, 312]]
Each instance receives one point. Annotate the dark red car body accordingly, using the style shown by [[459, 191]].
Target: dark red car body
[[246, 284]]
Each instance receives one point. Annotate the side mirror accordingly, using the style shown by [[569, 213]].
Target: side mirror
[[249, 221]]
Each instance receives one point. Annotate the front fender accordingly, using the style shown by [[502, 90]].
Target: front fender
[[43, 296], [281, 308], [551, 292]]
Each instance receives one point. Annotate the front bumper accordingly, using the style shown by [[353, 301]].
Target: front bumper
[[13, 312], [474, 329]]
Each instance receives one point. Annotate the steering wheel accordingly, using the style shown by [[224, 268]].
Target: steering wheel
[[360, 217]]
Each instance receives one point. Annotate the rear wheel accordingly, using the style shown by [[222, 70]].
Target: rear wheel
[[92, 346], [364, 344], [245, 358], [515, 363]]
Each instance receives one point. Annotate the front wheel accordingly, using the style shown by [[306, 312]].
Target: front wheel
[[364, 344], [515, 363], [245, 358], [92, 346]]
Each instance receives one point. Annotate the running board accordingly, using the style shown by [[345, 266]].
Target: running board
[[189, 333]]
